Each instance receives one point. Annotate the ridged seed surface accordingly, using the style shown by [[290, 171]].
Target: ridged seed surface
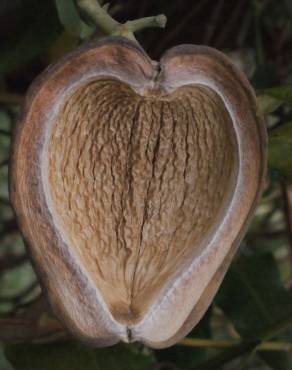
[[136, 182]]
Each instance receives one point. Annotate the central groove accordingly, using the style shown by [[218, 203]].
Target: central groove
[[137, 183]]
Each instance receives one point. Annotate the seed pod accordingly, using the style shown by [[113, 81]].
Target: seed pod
[[133, 183]]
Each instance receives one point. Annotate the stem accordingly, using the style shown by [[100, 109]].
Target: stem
[[106, 6], [221, 359], [147, 22], [221, 344], [99, 16]]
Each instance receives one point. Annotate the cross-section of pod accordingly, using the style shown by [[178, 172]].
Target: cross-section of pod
[[133, 183]]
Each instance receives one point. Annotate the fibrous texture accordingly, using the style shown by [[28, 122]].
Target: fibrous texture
[[137, 182], [134, 182]]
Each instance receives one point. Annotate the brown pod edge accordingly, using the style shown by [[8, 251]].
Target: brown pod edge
[[133, 183]]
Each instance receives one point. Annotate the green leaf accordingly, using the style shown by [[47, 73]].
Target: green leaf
[[57, 356], [282, 93], [252, 294], [71, 20], [254, 298], [75, 356], [278, 360], [40, 27], [268, 104], [280, 150], [123, 357]]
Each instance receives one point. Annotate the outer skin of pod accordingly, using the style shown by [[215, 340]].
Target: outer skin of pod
[[184, 298]]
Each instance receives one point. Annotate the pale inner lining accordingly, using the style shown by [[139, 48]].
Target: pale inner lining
[[137, 182]]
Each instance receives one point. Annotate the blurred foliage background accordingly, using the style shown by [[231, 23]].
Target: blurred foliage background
[[249, 325]]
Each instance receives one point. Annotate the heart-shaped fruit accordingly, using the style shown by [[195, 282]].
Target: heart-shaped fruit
[[133, 183]]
